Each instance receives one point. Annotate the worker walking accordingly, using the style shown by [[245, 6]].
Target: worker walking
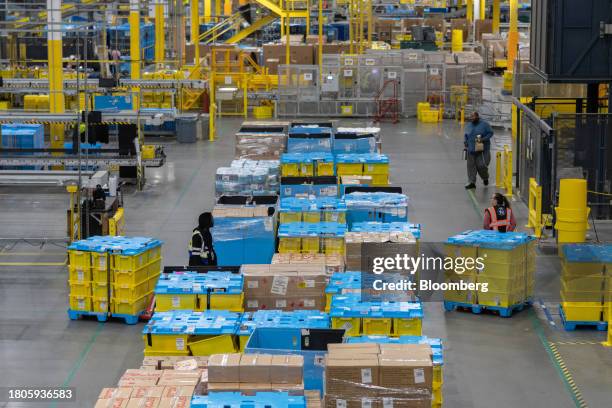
[[201, 251], [499, 216], [477, 146]]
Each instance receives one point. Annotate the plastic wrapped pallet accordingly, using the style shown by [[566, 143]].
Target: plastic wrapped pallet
[[260, 146], [239, 240], [306, 139], [248, 177], [356, 140], [378, 206], [358, 374], [284, 286]]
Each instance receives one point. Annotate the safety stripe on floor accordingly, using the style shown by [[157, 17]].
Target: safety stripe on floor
[[576, 343], [567, 376]]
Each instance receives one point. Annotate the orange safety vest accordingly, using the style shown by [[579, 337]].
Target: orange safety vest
[[496, 223]]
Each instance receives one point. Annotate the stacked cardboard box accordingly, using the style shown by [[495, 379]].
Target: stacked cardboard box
[[482, 27], [260, 146], [284, 286], [385, 375], [332, 263], [331, 48], [493, 49], [275, 55], [154, 389], [387, 29], [174, 362], [380, 244], [252, 373]]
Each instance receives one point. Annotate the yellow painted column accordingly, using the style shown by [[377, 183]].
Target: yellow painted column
[[135, 52], [469, 10], [56, 80], [227, 7], [160, 39], [207, 10], [217, 10], [320, 33], [370, 23], [483, 9], [288, 46], [513, 34], [496, 16], [195, 29]]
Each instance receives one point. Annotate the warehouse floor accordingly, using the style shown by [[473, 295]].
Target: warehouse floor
[[524, 361]]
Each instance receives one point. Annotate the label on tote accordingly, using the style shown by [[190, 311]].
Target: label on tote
[[252, 284], [309, 303], [252, 304], [366, 375], [308, 76], [180, 344], [340, 403], [419, 375], [366, 403], [387, 402], [80, 275], [281, 303], [176, 301], [279, 285]]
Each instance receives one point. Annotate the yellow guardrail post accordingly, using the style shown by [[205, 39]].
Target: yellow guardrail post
[[535, 208], [116, 223], [507, 176], [608, 342], [498, 170]]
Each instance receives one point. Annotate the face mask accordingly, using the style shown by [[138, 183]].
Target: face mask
[[475, 121]]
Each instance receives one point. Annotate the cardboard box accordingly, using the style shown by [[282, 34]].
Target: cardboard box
[[224, 368], [483, 26], [112, 403], [354, 376], [223, 387], [406, 365], [149, 391], [314, 39], [137, 377], [275, 55], [294, 39], [146, 402], [176, 402], [287, 369], [172, 391], [180, 378], [358, 348], [255, 368], [254, 388], [286, 303], [118, 392]]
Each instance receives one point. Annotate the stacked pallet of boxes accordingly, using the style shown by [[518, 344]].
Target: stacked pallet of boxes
[[309, 139], [586, 285], [112, 275], [375, 317], [331, 263], [184, 332], [311, 164], [248, 177], [304, 237], [356, 140], [437, 357], [369, 374], [261, 140], [284, 286], [367, 164], [21, 136], [199, 292], [506, 267], [376, 206], [312, 210]]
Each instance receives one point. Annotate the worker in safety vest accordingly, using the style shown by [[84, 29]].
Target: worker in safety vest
[[201, 251], [499, 217]]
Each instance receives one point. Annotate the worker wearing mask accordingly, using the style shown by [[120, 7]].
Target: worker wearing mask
[[201, 251], [499, 216], [477, 146]]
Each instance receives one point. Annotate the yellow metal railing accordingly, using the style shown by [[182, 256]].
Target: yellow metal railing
[[503, 170], [116, 223], [535, 218], [608, 342]]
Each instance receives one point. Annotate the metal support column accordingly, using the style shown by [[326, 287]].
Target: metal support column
[[207, 10], [195, 29], [482, 10], [217, 10], [320, 31], [469, 10], [135, 52], [160, 40], [496, 16], [513, 35], [56, 80]]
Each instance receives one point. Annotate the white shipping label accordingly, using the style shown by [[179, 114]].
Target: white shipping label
[[180, 344], [401, 212], [434, 71], [340, 403], [392, 75], [102, 262], [308, 76], [348, 72], [309, 303], [81, 303], [281, 303], [252, 284], [366, 403], [176, 301], [252, 304], [309, 283], [228, 80], [80, 275], [366, 375], [419, 375], [279, 285], [197, 287], [387, 402], [268, 224]]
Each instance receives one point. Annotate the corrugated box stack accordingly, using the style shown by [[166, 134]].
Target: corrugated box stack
[[493, 50], [248, 177], [284, 286], [253, 373], [260, 146], [373, 375], [332, 263], [275, 55]]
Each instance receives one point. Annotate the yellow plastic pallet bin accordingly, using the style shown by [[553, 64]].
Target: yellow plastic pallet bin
[[572, 295], [130, 277], [352, 325], [376, 168], [212, 345], [334, 216], [500, 299], [99, 261], [306, 169], [513, 256], [100, 289], [437, 375], [242, 342], [430, 116], [460, 251], [311, 216], [310, 245], [99, 304], [231, 302], [101, 276], [290, 216], [333, 245], [79, 275], [167, 302], [290, 169], [502, 270], [582, 311], [587, 283], [380, 179], [437, 398], [80, 303], [80, 288], [130, 292], [376, 326], [154, 253], [129, 306], [154, 268], [128, 263], [161, 344], [582, 269], [349, 169], [503, 284], [325, 169], [289, 245], [80, 260], [407, 327]]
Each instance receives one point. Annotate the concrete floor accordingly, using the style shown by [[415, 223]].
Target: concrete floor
[[489, 361]]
